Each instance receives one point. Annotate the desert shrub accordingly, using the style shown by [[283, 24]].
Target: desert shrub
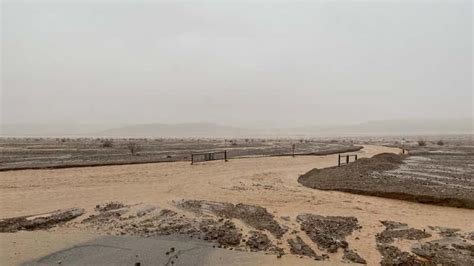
[[108, 143], [421, 143], [440, 142], [234, 144], [133, 147]]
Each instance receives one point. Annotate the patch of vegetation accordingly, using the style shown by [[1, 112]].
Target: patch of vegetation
[[108, 143], [134, 147]]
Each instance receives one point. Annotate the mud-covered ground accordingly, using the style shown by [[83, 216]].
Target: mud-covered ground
[[31, 153], [237, 227], [436, 174], [253, 228], [439, 246]]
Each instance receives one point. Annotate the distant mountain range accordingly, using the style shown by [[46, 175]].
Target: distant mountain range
[[407, 127], [175, 130]]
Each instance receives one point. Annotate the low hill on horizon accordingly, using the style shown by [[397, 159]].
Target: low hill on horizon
[[387, 127], [174, 130]]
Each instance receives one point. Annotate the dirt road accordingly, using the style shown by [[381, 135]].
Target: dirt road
[[269, 182]]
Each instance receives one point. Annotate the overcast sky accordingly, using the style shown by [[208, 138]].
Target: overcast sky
[[280, 64]]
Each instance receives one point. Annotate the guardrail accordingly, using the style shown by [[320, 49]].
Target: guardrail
[[208, 156], [347, 159]]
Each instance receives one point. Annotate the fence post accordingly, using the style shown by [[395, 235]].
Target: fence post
[[225, 155], [356, 157], [338, 160], [347, 159], [192, 158]]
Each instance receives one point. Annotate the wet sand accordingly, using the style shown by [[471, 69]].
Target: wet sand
[[269, 182]]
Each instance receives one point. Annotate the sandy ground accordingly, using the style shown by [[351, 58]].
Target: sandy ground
[[269, 182]]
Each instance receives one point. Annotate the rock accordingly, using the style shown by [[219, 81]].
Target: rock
[[352, 256], [446, 251], [113, 205], [399, 230], [299, 247], [145, 209], [255, 216], [226, 234], [445, 231], [258, 241], [332, 248], [391, 255], [469, 235], [329, 232]]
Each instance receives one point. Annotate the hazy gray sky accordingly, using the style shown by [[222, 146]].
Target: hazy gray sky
[[283, 64]]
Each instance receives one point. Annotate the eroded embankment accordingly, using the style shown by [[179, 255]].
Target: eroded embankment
[[382, 176]]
